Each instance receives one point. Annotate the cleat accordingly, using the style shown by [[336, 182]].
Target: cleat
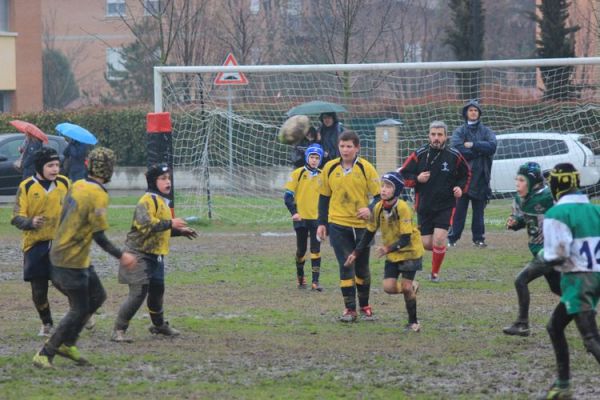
[[451, 244], [366, 313], [46, 330], [316, 287], [72, 353], [415, 286], [42, 361], [434, 278], [557, 393], [301, 282], [90, 323], [517, 329], [164, 329], [119, 336], [480, 244], [413, 326], [348, 315]]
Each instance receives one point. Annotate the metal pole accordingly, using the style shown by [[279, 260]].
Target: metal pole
[[158, 103], [230, 129]]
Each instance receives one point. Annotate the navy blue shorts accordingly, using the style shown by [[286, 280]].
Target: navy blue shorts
[[36, 262], [407, 268]]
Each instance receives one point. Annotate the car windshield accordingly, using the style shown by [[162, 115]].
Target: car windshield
[[529, 148]]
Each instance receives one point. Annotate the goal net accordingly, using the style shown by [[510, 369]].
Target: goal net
[[230, 166]]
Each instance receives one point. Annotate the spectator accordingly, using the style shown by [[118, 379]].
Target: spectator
[[328, 133], [74, 163], [477, 144]]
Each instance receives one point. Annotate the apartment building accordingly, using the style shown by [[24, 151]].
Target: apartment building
[[20, 56]]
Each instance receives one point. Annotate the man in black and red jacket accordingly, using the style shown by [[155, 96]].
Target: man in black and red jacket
[[440, 175]]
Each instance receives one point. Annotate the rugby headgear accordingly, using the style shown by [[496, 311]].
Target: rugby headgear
[[314, 149], [564, 178], [44, 156], [394, 179], [532, 172], [152, 174], [101, 163]]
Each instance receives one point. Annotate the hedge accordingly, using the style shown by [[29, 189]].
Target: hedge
[[122, 130]]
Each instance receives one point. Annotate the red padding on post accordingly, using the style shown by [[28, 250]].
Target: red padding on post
[[159, 122]]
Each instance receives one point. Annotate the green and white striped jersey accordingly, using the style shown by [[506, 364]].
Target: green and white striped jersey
[[572, 232]]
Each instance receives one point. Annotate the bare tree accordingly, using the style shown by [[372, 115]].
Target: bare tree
[[239, 29]]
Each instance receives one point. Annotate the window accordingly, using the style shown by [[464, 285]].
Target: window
[[114, 64], [115, 8], [528, 148], [5, 97], [151, 7], [4, 16], [10, 149], [254, 6]]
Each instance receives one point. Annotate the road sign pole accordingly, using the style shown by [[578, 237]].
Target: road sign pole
[[230, 129]]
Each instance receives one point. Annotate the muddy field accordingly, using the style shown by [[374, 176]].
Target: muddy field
[[248, 333]]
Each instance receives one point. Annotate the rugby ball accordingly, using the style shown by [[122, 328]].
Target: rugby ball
[[294, 129]]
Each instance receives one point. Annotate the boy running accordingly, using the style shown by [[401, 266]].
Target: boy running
[[401, 244], [82, 220], [148, 239], [346, 184], [532, 200], [37, 210], [572, 244], [301, 199]]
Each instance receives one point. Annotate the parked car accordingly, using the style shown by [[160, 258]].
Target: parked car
[[9, 153], [545, 148]]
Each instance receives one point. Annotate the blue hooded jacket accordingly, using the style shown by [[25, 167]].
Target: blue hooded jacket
[[74, 163], [480, 156]]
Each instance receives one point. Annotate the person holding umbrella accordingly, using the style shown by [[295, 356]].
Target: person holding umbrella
[[80, 142], [328, 132], [34, 139], [74, 162]]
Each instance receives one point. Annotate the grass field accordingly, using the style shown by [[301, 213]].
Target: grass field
[[248, 333]]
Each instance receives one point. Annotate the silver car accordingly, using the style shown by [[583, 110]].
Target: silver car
[[545, 148]]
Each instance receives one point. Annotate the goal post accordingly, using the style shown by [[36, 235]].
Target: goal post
[[230, 166]]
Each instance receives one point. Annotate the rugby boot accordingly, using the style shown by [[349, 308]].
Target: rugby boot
[[348, 315], [316, 287], [46, 330], [556, 393], [366, 313], [72, 353], [164, 329], [119, 336], [301, 282], [42, 361], [413, 327], [517, 329]]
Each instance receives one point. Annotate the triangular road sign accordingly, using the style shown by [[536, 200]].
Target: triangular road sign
[[230, 78]]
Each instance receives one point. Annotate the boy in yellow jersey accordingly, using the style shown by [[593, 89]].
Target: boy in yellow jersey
[[148, 239], [401, 244], [347, 183], [301, 198], [37, 210], [82, 220]]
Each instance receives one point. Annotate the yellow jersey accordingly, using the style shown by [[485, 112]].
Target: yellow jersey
[[348, 190], [83, 214], [34, 200], [304, 184], [151, 228], [395, 223]]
